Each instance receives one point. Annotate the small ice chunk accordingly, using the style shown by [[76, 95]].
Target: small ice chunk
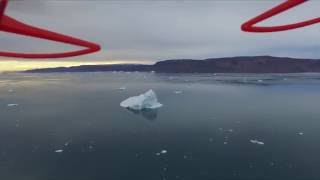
[[146, 100], [254, 141], [12, 105], [177, 92], [122, 88], [164, 151], [10, 91], [260, 80], [58, 151], [300, 133]]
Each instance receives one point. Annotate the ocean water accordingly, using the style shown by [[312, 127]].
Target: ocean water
[[70, 126]]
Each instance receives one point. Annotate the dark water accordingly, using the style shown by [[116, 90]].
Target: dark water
[[205, 130]]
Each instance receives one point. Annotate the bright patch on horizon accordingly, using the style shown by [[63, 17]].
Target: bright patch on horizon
[[7, 65]]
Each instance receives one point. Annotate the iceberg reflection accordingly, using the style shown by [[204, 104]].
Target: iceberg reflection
[[150, 114]]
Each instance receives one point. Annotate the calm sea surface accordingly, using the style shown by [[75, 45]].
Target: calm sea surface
[[70, 126]]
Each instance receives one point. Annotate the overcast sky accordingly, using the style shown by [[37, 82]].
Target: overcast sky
[[148, 31]]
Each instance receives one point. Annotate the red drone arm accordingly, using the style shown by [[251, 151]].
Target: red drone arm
[[249, 25], [11, 25]]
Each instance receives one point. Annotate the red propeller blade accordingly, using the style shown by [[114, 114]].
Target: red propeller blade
[[11, 25], [249, 25]]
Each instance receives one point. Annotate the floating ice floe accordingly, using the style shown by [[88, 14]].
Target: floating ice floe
[[300, 133], [177, 92], [12, 105], [162, 152], [122, 88], [58, 151], [147, 100], [254, 141]]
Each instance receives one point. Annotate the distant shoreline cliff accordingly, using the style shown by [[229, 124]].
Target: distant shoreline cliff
[[243, 64]]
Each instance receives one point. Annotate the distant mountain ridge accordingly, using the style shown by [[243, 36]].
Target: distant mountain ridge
[[241, 64]]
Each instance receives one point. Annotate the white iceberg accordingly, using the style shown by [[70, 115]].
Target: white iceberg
[[147, 100]]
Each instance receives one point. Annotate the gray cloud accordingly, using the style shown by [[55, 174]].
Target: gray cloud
[[156, 30]]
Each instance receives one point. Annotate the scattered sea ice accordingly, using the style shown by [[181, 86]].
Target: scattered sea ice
[[58, 151], [300, 133]]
